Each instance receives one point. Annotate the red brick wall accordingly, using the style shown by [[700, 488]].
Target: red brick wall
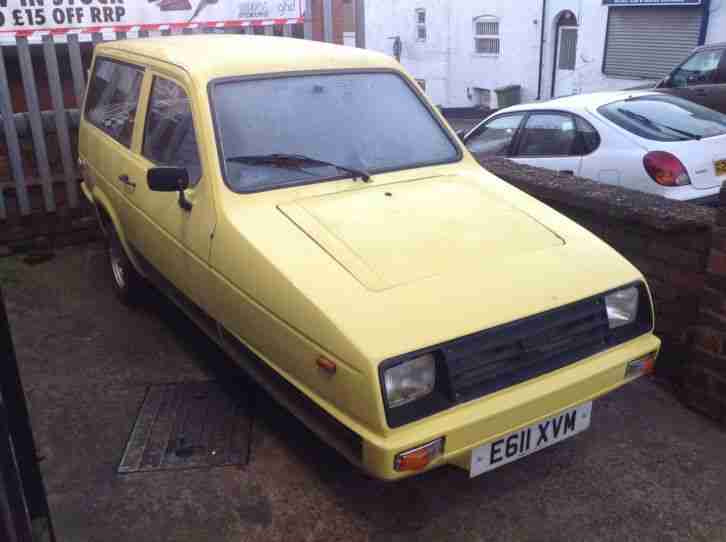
[[681, 250], [704, 380]]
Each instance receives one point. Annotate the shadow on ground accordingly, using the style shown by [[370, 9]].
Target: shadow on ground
[[647, 469]]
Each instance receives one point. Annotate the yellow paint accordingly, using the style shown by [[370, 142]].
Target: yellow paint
[[342, 270]]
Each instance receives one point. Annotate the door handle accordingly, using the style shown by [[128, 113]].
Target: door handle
[[125, 179]]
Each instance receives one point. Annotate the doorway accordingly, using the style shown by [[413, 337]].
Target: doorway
[[565, 55]]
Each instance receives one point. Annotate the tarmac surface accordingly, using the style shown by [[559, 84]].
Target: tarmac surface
[[647, 469]]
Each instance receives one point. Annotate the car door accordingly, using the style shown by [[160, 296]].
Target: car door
[[718, 94], [700, 79], [549, 139], [494, 137], [110, 113], [173, 231]]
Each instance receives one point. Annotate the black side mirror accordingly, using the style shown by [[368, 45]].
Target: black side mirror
[[170, 179], [461, 133], [665, 83]]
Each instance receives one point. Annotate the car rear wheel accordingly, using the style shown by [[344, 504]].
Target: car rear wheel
[[127, 283]]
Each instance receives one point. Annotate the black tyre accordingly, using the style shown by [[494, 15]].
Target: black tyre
[[127, 283]]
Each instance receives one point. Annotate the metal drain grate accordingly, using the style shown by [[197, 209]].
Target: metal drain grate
[[186, 426]]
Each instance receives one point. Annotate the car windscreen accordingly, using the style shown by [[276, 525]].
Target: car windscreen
[[665, 118], [372, 122]]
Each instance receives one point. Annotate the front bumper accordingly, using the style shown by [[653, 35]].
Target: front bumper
[[472, 424]]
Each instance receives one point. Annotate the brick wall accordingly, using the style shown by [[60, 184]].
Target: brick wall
[[681, 250]]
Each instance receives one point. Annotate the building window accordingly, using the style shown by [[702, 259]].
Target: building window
[[421, 33], [422, 84], [486, 36]]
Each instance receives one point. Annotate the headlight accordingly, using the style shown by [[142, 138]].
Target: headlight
[[622, 307], [410, 380]]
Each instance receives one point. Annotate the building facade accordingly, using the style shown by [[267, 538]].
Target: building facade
[[462, 50]]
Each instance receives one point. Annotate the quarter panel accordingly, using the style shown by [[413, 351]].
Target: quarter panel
[[256, 302]]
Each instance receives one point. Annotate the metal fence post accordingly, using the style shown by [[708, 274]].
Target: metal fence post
[[36, 123], [328, 21], [308, 22], [18, 427], [15, 523], [360, 23], [13, 145], [79, 79], [61, 122]]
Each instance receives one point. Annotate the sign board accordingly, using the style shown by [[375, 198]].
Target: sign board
[[25, 17], [652, 2]]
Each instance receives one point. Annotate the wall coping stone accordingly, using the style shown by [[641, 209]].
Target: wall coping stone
[[631, 206]]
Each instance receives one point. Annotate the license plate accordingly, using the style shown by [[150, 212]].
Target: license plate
[[720, 166], [531, 439]]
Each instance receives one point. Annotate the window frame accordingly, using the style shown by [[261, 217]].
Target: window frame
[[421, 25], [483, 19], [517, 141], [153, 76], [211, 85], [139, 100], [515, 138]]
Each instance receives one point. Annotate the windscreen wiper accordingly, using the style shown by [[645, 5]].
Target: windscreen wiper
[[657, 125], [288, 160]]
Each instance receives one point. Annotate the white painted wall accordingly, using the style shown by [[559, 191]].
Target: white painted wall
[[450, 66]]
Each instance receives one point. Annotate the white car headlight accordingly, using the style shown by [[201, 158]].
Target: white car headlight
[[622, 307], [409, 380]]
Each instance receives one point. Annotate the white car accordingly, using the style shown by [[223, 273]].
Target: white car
[[642, 140]]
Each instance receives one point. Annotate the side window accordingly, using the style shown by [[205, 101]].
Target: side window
[[113, 96], [169, 137], [486, 36], [588, 140], [700, 69], [421, 32], [721, 75], [548, 134], [495, 137]]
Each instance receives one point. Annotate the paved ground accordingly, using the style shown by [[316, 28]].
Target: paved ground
[[648, 469]]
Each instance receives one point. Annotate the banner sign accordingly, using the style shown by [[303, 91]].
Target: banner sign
[[25, 17], [652, 2]]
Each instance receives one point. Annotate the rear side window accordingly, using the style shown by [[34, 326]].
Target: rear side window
[[113, 96], [169, 137], [588, 140], [665, 118], [549, 134]]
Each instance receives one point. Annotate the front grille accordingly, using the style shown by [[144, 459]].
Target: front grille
[[507, 355], [479, 364]]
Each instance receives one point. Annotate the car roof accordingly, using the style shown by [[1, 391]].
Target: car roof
[[208, 57], [720, 45], [579, 103]]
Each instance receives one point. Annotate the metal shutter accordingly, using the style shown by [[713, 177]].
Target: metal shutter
[[648, 42]]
